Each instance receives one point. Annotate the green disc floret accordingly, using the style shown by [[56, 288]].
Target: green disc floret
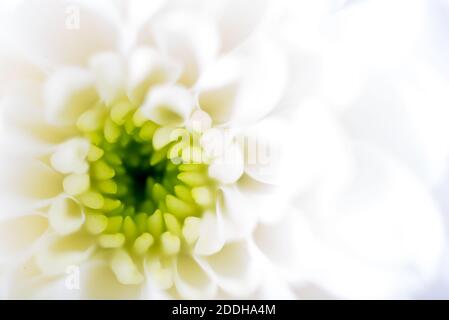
[[134, 194]]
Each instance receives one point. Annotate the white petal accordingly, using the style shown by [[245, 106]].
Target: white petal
[[56, 33], [244, 85], [148, 68], [65, 215], [125, 269], [24, 118], [286, 244], [211, 238], [270, 202], [139, 12], [18, 235], [233, 269], [52, 289], [229, 167], [215, 141], [385, 237], [199, 121], [238, 20], [26, 281], [236, 212], [56, 253], [295, 149], [263, 144], [15, 70], [190, 38], [274, 287], [71, 156], [99, 282], [391, 115], [109, 73], [68, 93], [191, 281], [24, 179], [168, 105], [159, 272]]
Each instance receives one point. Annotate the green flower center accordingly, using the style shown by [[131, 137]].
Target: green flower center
[[142, 191]]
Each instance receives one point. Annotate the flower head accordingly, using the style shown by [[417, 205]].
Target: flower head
[[200, 149]]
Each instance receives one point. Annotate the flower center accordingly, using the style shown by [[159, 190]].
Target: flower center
[[145, 187]]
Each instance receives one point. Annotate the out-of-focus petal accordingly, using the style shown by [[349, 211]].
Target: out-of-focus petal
[[237, 20], [109, 75], [99, 282], [71, 156], [187, 37], [407, 118], [306, 146], [378, 243], [148, 68], [211, 235], [19, 234], [65, 215], [191, 281], [244, 85], [237, 213], [55, 253], [233, 268], [67, 94], [22, 179], [229, 167], [168, 105], [54, 33]]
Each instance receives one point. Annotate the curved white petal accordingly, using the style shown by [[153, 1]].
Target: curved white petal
[[159, 274], [109, 75], [237, 213], [244, 85], [269, 201], [15, 70], [24, 118], [138, 12], [148, 68], [55, 253], [168, 105], [233, 268], [65, 215], [125, 269], [392, 116], [188, 37], [228, 167], [53, 33], [18, 235], [191, 281], [264, 143], [274, 287], [211, 235], [26, 281], [385, 236], [306, 147], [97, 281], [71, 156], [67, 94], [199, 121], [237, 20], [286, 244], [21, 183]]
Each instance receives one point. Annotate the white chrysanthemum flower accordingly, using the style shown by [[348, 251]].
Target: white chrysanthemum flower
[[157, 146], [142, 157]]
